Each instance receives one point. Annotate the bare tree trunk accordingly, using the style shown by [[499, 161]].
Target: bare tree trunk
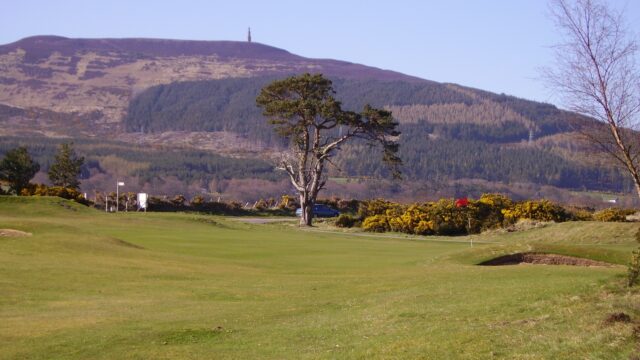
[[306, 205], [637, 183]]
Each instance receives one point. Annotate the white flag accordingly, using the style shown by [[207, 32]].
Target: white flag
[[142, 200]]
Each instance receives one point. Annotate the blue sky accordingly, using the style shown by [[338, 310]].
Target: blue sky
[[496, 45]]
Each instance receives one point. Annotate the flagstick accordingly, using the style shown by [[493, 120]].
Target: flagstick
[[470, 236]]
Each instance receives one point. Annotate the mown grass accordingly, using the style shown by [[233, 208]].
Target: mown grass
[[92, 285]]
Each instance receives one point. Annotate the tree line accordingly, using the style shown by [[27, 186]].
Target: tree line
[[144, 163], [17, 168], [448, 131]]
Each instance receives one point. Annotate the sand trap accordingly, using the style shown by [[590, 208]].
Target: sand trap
[[541, 258], [13, 233]]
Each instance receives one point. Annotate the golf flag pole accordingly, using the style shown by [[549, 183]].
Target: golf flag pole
[[118, 184], [464, 203]]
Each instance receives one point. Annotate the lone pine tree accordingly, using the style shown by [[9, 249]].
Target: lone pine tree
[[303, 110]]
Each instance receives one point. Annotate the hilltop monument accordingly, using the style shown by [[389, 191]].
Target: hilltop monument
[[249, 35]]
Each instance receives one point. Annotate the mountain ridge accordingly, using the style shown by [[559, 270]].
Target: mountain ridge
[[41, 46], [200, 95], [101, 76]]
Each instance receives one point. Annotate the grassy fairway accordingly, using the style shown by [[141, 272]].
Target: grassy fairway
[[90, 285]]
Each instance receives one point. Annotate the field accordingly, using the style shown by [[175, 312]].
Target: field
[[90, 285]]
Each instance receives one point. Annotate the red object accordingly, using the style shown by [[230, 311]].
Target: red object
[[462, 202]]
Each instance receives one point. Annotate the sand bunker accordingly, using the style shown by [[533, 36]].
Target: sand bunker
[[541, 258], [13, 233]]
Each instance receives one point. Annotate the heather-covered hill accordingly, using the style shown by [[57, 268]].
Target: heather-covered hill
[[100, 76], [198, 97]]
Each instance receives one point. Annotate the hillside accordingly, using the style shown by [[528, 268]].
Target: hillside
[[179, 99], [448, 132], [96, 78]]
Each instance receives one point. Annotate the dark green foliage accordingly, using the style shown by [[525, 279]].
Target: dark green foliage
[[195, 165], [18, 168], [509, 132], [342, 205], [226, 104], [430, 151], [221, 208], [66, 167], [346, 221], [185, 165], [221, 105], [199, 205], [450, 158]]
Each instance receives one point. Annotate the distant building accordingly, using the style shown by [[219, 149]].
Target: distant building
[[249, 35]]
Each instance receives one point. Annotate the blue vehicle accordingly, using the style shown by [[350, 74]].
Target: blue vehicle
[[321, 210]]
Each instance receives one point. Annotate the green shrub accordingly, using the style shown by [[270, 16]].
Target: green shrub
[[611, 215], [346, 221], [351, 206]]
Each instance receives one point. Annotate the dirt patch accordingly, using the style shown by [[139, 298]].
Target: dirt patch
[[543, 259], [124, 243], [13, 233], [617, 318]]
